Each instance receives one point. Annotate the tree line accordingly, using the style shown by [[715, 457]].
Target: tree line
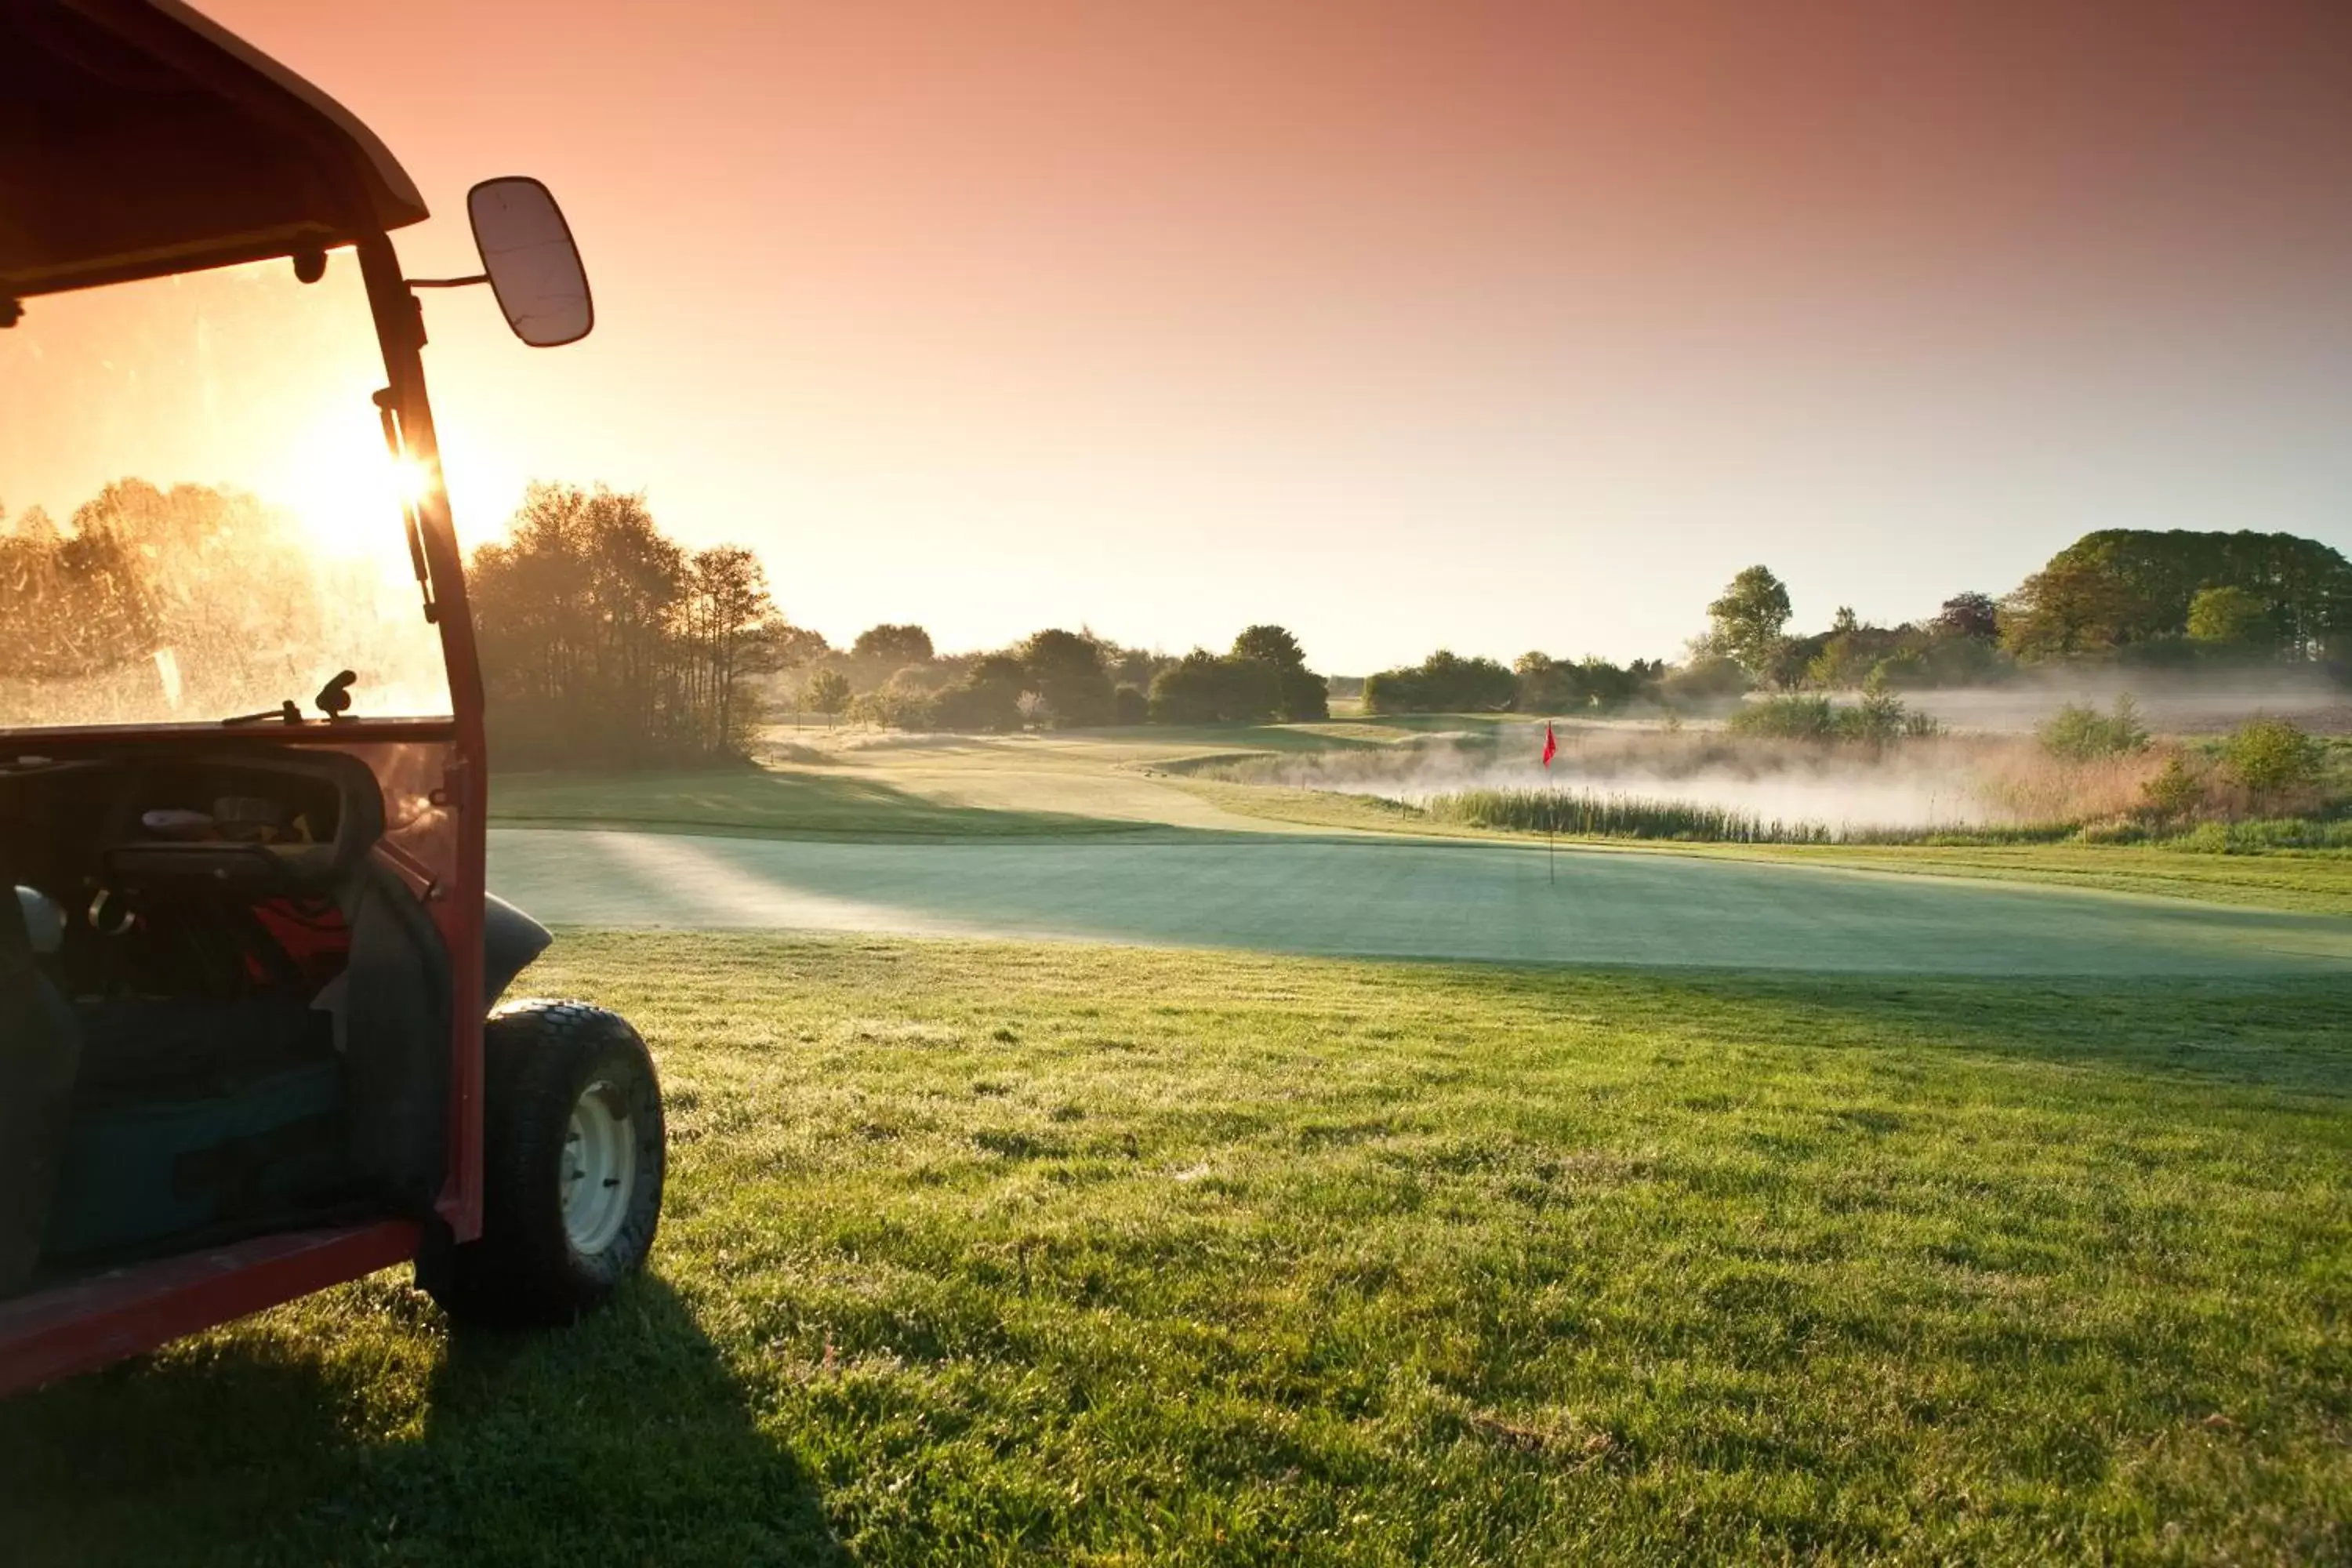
[[606, 642], [2138, 598], [2177, 600], [1059, 680], [185, 603]]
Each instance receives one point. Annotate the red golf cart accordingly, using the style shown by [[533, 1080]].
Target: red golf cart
[[251, 1042]]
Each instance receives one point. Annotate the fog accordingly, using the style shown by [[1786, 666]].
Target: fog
[[1986, 768], [1928, 782], [2170, 703]]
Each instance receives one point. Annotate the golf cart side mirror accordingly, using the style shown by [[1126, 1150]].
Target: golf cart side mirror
[[533, 265]]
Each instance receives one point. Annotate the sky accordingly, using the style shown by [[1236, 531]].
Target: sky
[[1474, 323]]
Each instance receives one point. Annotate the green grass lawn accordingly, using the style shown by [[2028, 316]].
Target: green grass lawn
[[2312, 881], [993, 1253]]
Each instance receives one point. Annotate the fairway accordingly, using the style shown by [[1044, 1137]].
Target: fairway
[[1395, 898]]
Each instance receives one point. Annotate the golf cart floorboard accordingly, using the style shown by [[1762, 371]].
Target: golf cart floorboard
[[84, 1323]]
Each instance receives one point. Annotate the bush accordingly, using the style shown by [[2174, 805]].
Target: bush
[[2173, 793], [1301, 696], [1129, 706], [897, 704], [1445, 682], [988, 698], [1787, 718], [2270, 757], [1880, 721], [1708, 678], [2081, 733], [1879, 718], [2262, 837], [1204, 688]]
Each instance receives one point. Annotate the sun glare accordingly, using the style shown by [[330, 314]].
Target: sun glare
[[346, 492], [409, 479]]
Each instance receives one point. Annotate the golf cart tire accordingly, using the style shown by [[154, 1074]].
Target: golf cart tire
[[571, 1109]]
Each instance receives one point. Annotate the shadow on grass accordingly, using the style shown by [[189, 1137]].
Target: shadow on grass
[[358, 1433]]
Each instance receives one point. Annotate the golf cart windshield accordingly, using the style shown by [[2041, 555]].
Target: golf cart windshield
[[199, 519]]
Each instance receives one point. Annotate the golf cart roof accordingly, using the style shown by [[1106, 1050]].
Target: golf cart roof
[[138, 138]]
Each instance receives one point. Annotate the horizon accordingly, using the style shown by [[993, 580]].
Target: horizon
[[1494, 328]]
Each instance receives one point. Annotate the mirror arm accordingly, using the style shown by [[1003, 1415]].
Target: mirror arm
[[445, 282]]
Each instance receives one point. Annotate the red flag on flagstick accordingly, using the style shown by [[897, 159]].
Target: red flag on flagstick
[[1551, 816]]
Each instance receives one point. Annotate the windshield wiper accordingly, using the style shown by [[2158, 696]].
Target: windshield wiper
[[285, 712], [334, 701]]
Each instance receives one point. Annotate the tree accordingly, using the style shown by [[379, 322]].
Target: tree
[[1065, 669], [828, 692], [35, 526], [2070, 607], [988, 698], [2228, 617], [797, 646], [1746, 622], [731, 631], [897, 644], [1272, 644], [1300, 694], [1547, 685], [1971, 616]]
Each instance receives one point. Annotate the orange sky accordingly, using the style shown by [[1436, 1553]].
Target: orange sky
[[1499, 325]]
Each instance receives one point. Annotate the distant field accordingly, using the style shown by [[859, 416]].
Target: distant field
[[1005, 1254], [929, 787]]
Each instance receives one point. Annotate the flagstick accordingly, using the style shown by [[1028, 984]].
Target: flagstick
[[1551, 812]]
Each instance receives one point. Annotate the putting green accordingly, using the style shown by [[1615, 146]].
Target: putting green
[[1398, 898]]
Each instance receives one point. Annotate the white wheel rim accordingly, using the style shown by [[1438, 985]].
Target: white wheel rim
[[600, 1170]]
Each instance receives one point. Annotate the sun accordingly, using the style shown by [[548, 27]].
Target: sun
[[410, 479], [346, 492]]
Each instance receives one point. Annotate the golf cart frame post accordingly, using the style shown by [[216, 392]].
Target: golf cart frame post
[[346, 191]]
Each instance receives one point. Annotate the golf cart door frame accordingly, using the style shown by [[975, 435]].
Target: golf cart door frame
[[296, 176], [447, 866]]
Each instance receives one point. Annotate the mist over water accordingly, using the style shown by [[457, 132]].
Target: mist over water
[[2170, 703], [1987, 770], [1777, 781]]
